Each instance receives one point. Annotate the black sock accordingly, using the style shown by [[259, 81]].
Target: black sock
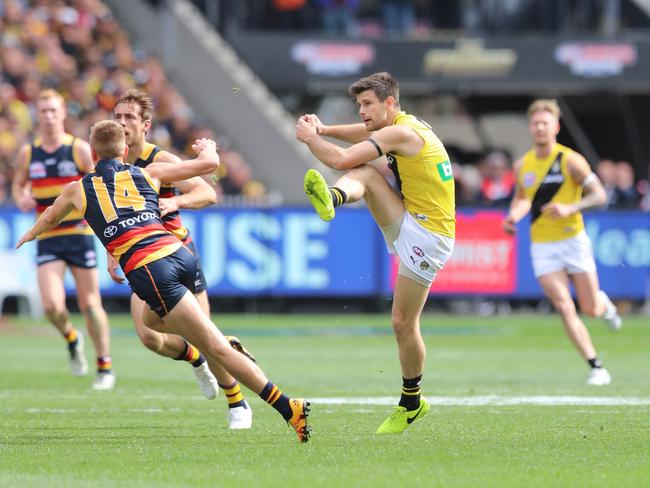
[[272, 395], [339, 197], [595, 363], [410, 398]]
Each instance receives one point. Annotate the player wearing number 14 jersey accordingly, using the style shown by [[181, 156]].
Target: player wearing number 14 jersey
[[120, 203], [134, 112]]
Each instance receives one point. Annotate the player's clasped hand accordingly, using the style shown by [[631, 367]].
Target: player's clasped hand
[[557, 210], [305, 128], [167, 206], [204, 144]]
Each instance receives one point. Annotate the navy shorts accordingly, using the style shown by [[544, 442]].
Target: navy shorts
[[75, 250], [199, 281], [162, 283]]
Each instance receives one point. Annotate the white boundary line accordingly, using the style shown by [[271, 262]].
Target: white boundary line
[[493, 400]]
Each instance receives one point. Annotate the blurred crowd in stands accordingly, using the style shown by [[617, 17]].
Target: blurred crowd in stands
[[78, 48], [419, 18]]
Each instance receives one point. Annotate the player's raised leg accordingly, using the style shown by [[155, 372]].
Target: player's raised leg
[[593, 301]]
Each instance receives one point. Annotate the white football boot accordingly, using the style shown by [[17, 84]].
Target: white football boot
[[104, 381], [207, 382], [599, 377], [611, 316], [78, 363], [240, 417]]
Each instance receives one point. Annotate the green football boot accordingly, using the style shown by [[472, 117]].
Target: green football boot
[[319, 194], [400, 419]]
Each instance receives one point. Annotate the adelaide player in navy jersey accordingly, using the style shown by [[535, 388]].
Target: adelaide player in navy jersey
[[120, 202], [134, 112], [43, 168]]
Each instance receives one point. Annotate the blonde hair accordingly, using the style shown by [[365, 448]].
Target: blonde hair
[[50, 93], [545, 105], [107, 139]]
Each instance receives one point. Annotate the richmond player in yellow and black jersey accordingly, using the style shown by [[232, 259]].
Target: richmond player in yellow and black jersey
[[419, 222], [554, 185]]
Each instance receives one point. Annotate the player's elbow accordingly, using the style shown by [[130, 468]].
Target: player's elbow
[[210, 197], [342, 163], [49, 218], [600, 198]]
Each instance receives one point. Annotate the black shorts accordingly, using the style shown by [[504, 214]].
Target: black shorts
[[75, 250], [199, 280], [162, 283]]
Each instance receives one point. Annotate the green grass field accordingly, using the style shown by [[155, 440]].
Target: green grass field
[[502, 391]]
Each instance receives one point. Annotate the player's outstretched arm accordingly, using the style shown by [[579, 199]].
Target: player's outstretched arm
[[207, 161], [196, 192], [352, 133], [62, 206]]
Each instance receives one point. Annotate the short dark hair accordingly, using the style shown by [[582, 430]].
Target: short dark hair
[[139, 98], [382, 83]]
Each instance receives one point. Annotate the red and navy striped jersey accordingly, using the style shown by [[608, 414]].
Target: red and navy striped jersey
[[49, 172], [120, 203], [171, 221]]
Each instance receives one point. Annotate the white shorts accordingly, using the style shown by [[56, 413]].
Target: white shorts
[[574, 255], [422, 253]]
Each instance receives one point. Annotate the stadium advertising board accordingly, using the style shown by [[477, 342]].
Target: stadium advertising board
[[291, 252], [291, 62]]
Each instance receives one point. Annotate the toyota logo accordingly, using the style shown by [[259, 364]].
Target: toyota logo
[[110, 231]]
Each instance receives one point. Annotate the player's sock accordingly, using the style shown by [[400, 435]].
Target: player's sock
[[192, 355], [339, 197], [234, 395], [595, 362], [72, 338], [104, 364], [272, 395], [410, 398]]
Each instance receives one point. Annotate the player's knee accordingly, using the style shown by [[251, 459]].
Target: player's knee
[[564, 306], [400, 324], [53, 309], [363, 173], [89, 304], [91, 310], [150, 339]]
